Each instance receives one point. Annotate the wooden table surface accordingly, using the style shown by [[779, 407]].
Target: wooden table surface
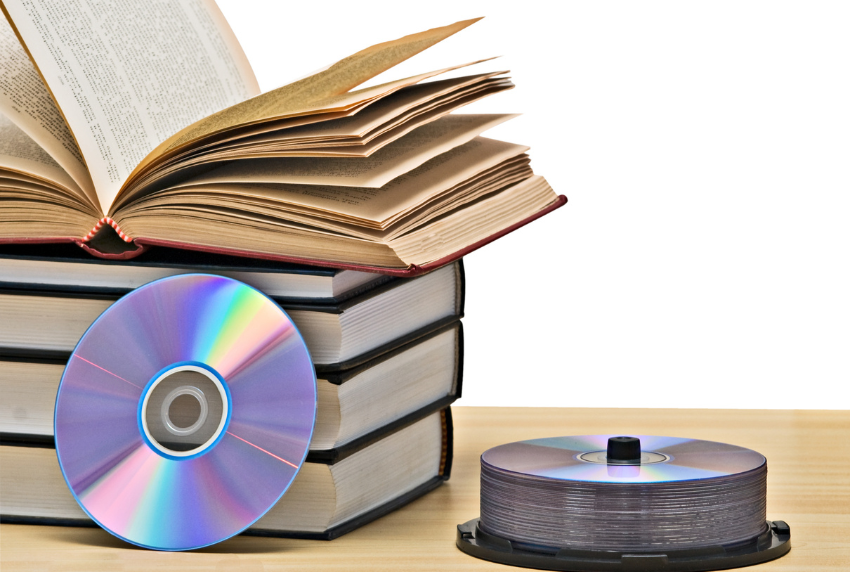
[[808, 486]]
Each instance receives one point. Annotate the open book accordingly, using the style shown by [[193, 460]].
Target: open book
[[143, 125]]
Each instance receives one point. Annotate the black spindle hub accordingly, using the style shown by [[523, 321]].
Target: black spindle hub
[[624, 449]]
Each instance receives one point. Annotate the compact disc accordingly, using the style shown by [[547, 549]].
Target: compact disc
[[185, 412], [582, 458]]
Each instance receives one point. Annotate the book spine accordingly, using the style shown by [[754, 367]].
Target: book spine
[[448, 444], [103, 222], [123, 255], [459, 372]]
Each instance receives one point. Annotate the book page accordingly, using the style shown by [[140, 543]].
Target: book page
[[170, 153], [361, 146], [373, 121], [397, 158], [25, 101], [379, 112], [461, 228], [255, 199], [128, 75], [20, 153], [329, 121], [346, 146], [326, 89], [400, 195]]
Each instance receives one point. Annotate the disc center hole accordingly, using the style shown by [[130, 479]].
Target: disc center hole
[[184, 411]]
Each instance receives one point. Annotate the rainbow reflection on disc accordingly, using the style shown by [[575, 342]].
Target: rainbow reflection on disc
[[560, 458], [185, 412]]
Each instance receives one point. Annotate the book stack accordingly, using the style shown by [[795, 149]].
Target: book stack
[[134, 145], [388, 354]]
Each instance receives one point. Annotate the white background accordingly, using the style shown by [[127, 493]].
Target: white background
[[702, 260]]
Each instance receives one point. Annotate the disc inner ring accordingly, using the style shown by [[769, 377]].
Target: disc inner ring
[[170, 427], [165, 410], [601, 458]]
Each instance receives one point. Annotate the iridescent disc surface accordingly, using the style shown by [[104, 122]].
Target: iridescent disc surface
[[557, 458], [248, 350]]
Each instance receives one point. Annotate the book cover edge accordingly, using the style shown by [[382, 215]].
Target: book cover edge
[[311, 305], [408, 272]]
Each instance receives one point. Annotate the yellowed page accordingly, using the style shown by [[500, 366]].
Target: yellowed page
[[414, 188], [253, 198], [349, 149], [372, 142], [17, 175], [18, 152], [399, 195], [508, 173], [375, 171], [130, 75], [24, 99], [326, 89], [366, 114], [366, 125], [162, 161], [345, 147], [477, 221], [376, 114], [279, 144]]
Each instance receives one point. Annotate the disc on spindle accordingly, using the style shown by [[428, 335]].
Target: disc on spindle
[[611, 502]]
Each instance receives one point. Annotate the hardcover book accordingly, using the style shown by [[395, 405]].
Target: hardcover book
[[326, 499], [67, 268], [356, 406], [131, 127], [47, 323]]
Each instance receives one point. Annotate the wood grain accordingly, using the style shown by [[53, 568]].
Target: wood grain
[[808, 486]]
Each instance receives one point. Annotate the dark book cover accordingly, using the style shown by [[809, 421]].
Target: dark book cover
[[169, 258]]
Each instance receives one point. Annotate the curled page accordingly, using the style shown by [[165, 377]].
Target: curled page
[[129, 77], [25, 100], [327, 89], [375, 171], [20, 153]]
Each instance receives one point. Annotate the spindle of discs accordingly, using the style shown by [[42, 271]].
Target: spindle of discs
[[612, 502]]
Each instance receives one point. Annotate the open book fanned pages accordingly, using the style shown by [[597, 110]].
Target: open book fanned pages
[[142, 125]]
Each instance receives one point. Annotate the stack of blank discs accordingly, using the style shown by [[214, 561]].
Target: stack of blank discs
[[601, 497], [688, 493]]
